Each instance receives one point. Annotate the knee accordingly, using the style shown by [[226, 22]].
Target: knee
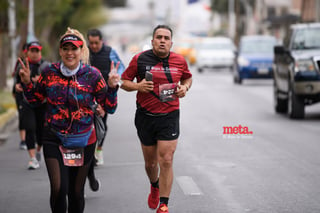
[[166, 161], [151, 165]]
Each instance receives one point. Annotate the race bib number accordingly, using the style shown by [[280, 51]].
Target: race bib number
[[72, 157], [167, 92]]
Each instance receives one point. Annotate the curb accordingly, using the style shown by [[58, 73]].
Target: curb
[[6, 117]]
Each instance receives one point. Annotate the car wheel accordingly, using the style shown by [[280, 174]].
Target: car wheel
[[280, 105], [236, 77], [295, 106]]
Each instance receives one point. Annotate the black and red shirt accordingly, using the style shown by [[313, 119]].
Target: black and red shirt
[[171, 69]]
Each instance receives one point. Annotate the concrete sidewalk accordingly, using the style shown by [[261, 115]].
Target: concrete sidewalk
[[8, 117]]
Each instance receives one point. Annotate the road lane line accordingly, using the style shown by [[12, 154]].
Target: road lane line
[[188, 186]]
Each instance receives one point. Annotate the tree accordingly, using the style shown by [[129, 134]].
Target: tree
[[4, 44], [52, 20], [115, 3]]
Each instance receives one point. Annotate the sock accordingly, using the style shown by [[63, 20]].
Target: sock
[[155, 184], [164, 200]]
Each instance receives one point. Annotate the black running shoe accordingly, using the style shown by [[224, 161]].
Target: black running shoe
[[94, 184]]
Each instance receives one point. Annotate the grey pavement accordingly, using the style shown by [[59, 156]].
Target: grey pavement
[[276, 170]]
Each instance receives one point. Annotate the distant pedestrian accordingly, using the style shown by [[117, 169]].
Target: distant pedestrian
[[70, 87], [17, 94], [162, 77], [32, 117], [101, 57]]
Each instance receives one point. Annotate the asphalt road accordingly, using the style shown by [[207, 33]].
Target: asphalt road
[[273, 170]]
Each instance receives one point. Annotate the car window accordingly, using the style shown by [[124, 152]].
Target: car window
[[257, 46], [307, 38]]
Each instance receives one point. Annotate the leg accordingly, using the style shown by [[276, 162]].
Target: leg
[[58, 176], [40, 121], [30, 141], [77, 180], [99, 152], [94, 183], [22, 133], [152, 170], [165, 154], [151, 163]]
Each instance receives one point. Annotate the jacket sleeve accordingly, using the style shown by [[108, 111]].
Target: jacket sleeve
[[35, 95], [106, 97]]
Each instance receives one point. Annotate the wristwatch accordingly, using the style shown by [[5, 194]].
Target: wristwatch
[[120, 82]]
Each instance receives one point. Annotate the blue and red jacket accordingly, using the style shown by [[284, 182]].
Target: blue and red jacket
[[69, 99]]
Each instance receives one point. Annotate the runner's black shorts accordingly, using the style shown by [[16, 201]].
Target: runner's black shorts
[[151, 128]]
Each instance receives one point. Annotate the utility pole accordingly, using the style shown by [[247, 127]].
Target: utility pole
[[232, 19], [31, 37], [152, 14], [12, 33]]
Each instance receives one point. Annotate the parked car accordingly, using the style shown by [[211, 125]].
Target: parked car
[[296, 70], [215, 52], [255, 57]]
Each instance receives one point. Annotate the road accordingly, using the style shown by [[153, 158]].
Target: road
[[273, 170]]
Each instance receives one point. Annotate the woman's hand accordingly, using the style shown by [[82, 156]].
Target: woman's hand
[[100, 111], [18, 87], [114, 77], [24, 72]]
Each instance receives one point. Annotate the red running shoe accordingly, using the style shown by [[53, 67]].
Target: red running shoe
[[163, 208], [153, 198]]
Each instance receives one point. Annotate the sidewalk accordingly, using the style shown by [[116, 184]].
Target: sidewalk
[[8, 117]]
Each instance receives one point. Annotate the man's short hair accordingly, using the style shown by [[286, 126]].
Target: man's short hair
[[94, 33], [162, 26]]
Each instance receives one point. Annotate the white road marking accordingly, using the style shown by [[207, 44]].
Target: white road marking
[[188, 186]]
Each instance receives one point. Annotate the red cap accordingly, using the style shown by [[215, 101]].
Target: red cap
[[75, 40], [34, 44]]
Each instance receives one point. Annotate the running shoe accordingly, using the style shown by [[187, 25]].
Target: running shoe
[[33, 164], [94, 184], [38, 156], [163, 208], [153, 198], [23, 145], [99, 157]]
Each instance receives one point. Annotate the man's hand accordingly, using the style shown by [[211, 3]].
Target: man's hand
[[145, 86], [114, 77], [24, 72], [181, 91]]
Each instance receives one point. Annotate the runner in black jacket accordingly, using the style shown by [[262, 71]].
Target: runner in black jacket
[[101, 56], [32, 118]]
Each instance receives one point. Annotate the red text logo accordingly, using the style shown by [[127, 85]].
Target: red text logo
[[234, 130]]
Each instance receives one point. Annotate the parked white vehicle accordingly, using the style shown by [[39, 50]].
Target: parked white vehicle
[[215, 52]]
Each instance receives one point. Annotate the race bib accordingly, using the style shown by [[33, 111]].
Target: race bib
[[72, 157], [167, 92]]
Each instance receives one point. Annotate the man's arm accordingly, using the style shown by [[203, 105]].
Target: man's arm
[[142, 86], [187, 83], [184, 87]]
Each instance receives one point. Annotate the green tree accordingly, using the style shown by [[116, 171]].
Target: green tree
[[51, 20]]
